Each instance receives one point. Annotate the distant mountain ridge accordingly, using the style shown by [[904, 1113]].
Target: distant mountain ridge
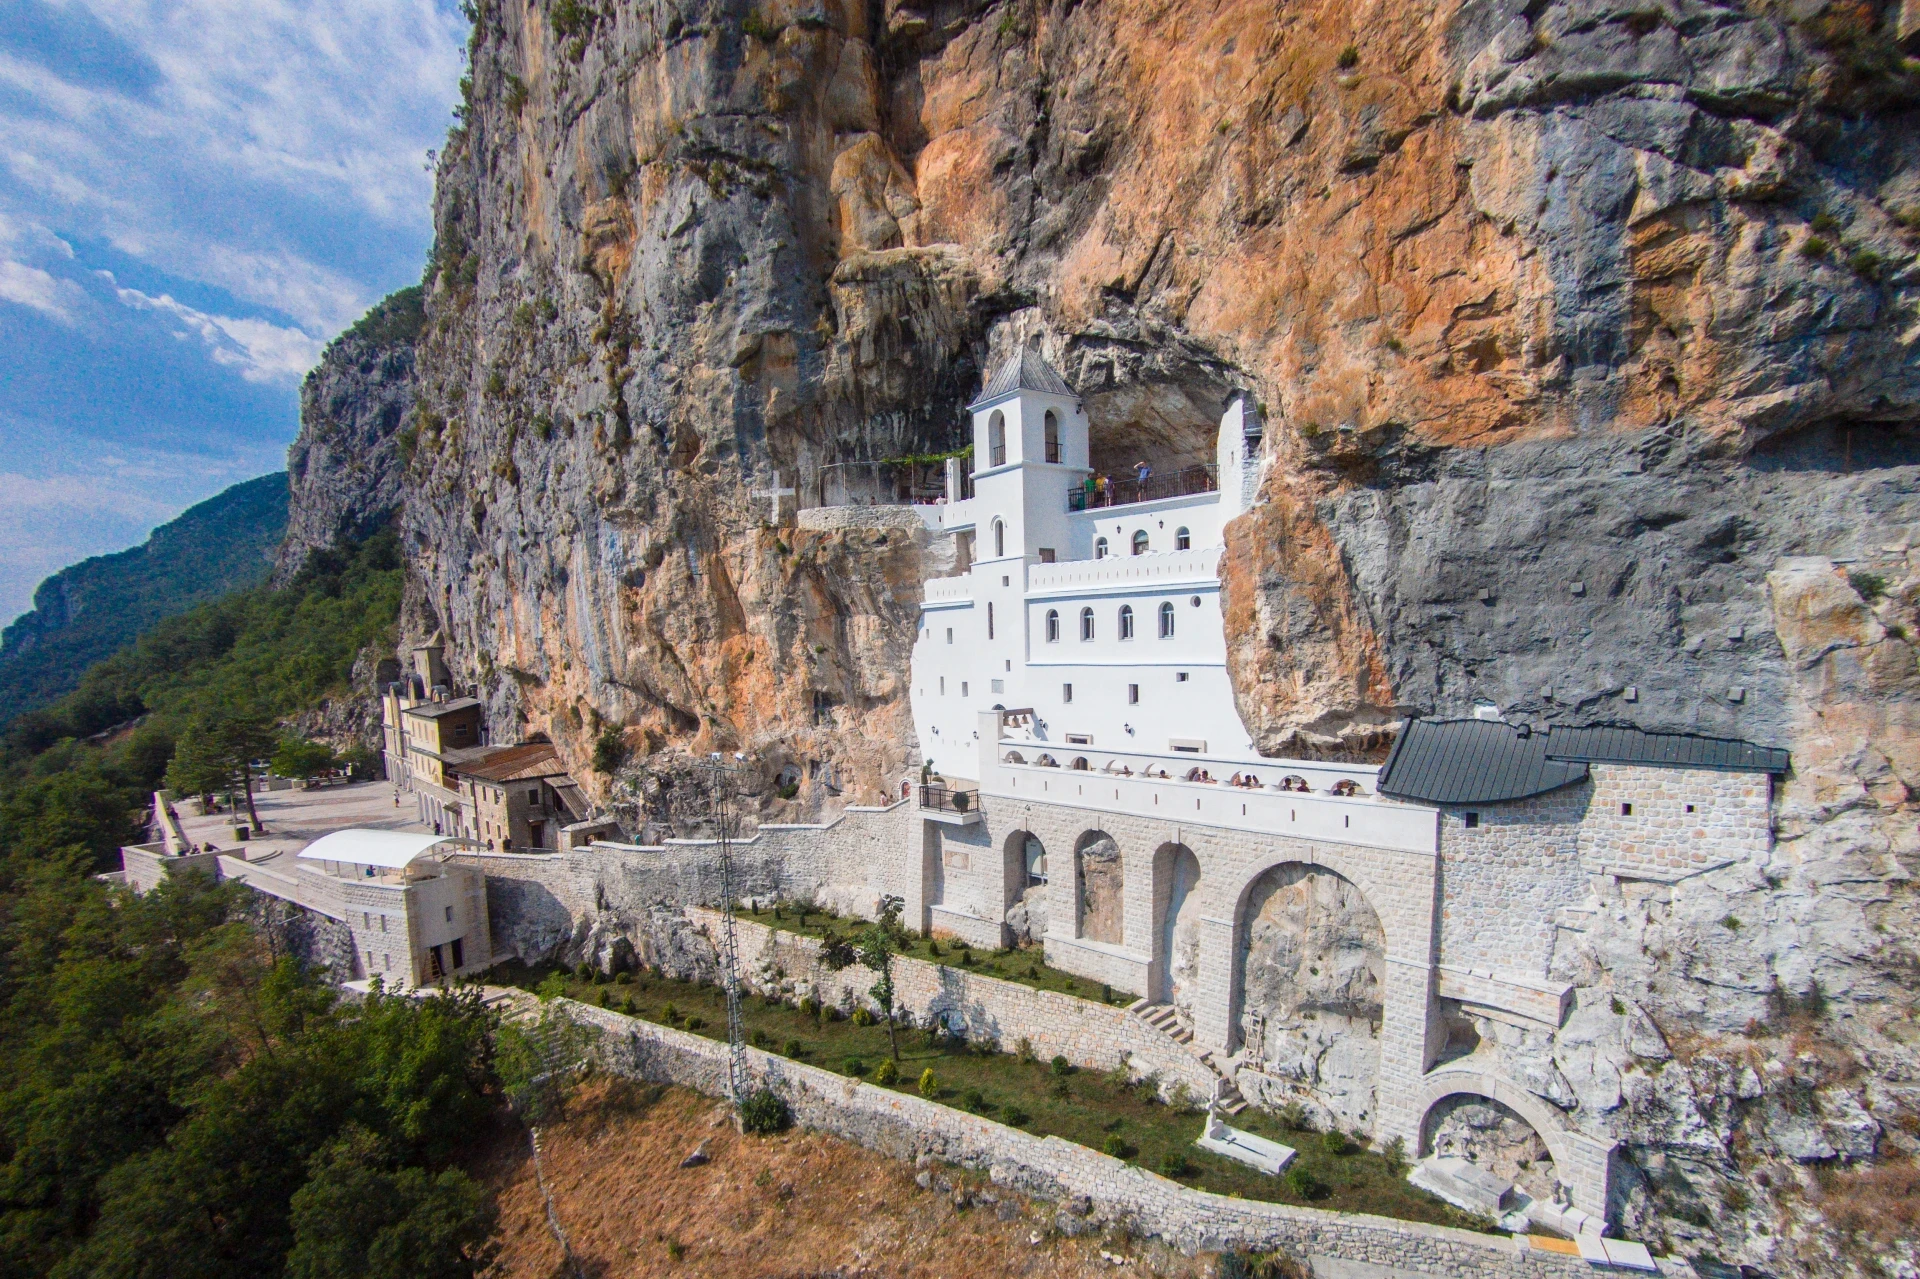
[[88, 610]]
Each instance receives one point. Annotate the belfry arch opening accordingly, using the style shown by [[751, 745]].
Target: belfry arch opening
[[1311, 976]]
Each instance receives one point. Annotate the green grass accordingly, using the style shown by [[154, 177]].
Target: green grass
[[1093, 1108], [1024, 965]]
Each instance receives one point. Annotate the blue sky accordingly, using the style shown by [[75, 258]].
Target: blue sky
[[194, 197]]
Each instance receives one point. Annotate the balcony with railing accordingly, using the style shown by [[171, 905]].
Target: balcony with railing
[[1189, 481], [953, 805]]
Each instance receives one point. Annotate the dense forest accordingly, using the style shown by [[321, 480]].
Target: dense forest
[[91, 609], [175, 1098]]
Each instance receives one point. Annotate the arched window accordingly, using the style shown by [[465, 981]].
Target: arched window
[[1140, 542], [1053, 436], [997, 439], [1086, 623], [1166, 620], [1126, 621], [999, 538], [1053, 626], [1099, 548], [1182, 540]]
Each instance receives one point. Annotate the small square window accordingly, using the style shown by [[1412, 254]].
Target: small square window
[[1179, 677], [1473, 821], [1689, 808], [1133, 694], [1626, 810], [1005, 580], [1066, 692]]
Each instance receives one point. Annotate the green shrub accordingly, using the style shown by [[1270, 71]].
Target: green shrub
[[1619, 1008], [928, 1085], [1293, 1116], [973, 1099], [765, 1112], [1059, 1090], [1060, 1067], [1349, 57], [1870, 585], [1395, 1153], [759, 28], [609, 751], [670, 1015], [861, 1017], [758, 1038], [1335, 1142], [1023, 1050], [1825, 223], [695, 1023], [1013, 1116], [1304, 1184], [794, 1048], [1174, 1164], [854, 1066], [583, 970], [1813, 247], [887, 1072], [1114, 1145], [1867, 264], [623, 978], [810, 1007]]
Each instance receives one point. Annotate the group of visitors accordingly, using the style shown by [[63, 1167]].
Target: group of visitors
[[1100, 489]]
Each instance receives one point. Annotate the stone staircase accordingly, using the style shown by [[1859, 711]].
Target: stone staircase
[[1163, 1019]]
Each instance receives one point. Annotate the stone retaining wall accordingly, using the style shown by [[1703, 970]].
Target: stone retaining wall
[[1093, 1189], [1093, 1035]]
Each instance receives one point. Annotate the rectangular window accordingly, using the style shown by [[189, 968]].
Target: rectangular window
[[533, 797], [1179, 677], [999, 686], [1473, 821], [1046, 555], [1079, 739], [943, 686], [1133, 694], [389, 958], [1626, 810], [963, 688], [1689, 808], [449, 914], [383, 923], [459, 952], [949, 635], [366, 920], [989, 619], [1066, 692]]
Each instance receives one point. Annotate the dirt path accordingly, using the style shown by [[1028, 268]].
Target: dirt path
[[797, 1206]]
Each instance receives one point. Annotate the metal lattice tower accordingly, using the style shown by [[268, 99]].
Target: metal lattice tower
[[720, 793]]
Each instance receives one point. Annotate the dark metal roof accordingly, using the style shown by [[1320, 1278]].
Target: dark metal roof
[[1608, 745], [1024, 370], [1472, 761]]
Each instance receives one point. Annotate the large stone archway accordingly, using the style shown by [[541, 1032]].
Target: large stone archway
[[1025, 873], [1584, 1163], [1176, 974], [1311, 985]]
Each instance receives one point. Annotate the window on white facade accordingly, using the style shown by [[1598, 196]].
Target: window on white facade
[[997, 439], [1099, 548], [1182, 540], [999, 686], [1086, 623], [1166, 620], [943, 686], [383, 923], [1126, 621], [989, 619], [1133, 694], [1053, 626], [449, 914], [1140, 542], [1180, 677], [1053, 436], [999, 538], [1066, 692], [963, 688], [949, 635]]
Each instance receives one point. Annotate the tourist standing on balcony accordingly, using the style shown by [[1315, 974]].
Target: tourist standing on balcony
[[1103, 490], [1088, 500], [1141, 474]]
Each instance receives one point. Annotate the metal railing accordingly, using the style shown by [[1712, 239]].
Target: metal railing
[[947, 800], [1126, 490]]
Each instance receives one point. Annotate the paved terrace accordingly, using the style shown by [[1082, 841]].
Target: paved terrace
[[295, 818]]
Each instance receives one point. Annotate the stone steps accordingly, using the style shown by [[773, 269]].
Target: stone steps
[[1163, 1019]]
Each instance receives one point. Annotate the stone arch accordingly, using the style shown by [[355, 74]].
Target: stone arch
[[1310, 978], [1024, 863], [1447, 1102], [1175, 976], [1099, 881], [999, 537], [997, 439]]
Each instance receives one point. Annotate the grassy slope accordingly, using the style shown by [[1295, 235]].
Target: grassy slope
[[87, 611], [1086, 1107]]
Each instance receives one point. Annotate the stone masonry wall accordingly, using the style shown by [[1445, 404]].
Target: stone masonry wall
[[1681, 822], [1502, 879], [1093, 1035], [1094, 1189]]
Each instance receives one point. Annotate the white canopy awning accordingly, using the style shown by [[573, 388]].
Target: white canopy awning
[[359, 847]]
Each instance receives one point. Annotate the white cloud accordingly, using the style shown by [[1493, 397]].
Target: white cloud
[[255, 146], [29, 286], [263, 352]]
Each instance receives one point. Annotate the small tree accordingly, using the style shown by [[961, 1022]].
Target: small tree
[[609, 751], [297, 757], [875, 946], [217, 753]]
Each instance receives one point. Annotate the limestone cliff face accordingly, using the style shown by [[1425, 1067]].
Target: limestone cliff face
[[345, 468], [1585, 339]]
